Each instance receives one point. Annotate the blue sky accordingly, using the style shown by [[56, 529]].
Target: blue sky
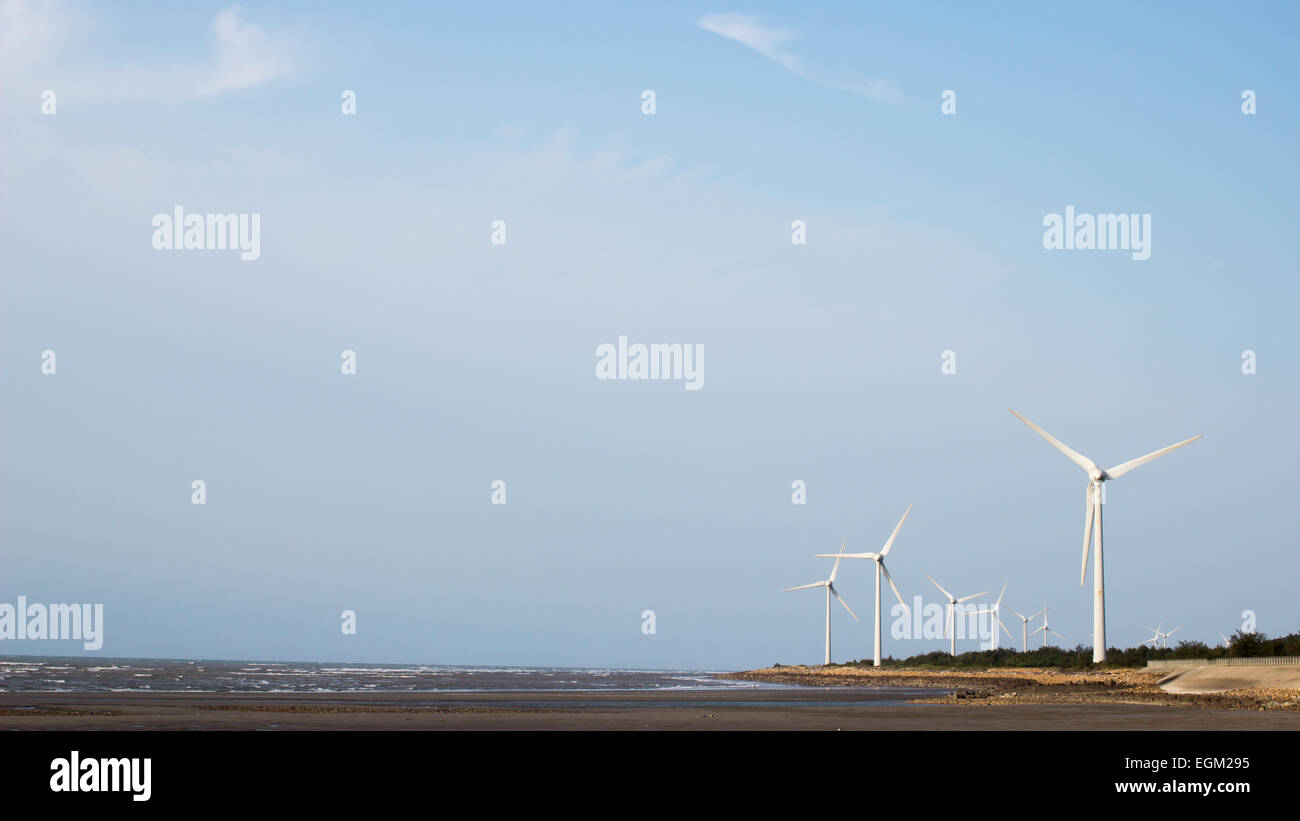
[[475, 362]]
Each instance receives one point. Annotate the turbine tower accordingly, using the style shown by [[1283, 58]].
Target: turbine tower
[[996, 612], [829, 584], [1093, 499], [1024, 627], [953, 601], [880, 568]]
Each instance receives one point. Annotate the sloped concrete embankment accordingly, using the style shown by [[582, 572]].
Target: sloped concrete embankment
[[1217, 679]]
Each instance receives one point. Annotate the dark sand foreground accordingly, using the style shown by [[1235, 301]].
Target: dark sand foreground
[[801, 708]]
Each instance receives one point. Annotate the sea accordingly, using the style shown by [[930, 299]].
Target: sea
[[81, 674]]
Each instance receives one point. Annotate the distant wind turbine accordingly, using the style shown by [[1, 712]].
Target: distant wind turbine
[[953, 601], [880, 568], [1160, 638], [996, 612], [1155, 638], [1092, 505], [1045, 629], [829, 584], [1024, 627], [1154, 641]]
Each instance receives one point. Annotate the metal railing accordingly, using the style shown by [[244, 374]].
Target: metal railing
[[1259, 661], [1246, 661]]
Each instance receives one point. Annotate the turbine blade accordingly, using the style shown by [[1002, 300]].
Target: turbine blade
[[998, 603], [804, 586], [1039, 630], [836, 568], [1054, 633], [846, 555], [1078, 458], [894, 588], [1039, 613], [1120, 470], [884, 551], [1088, 516], [1004, 628], [836, 593], [941, 590], [972, 596], [1014, 613], [1175, 630]]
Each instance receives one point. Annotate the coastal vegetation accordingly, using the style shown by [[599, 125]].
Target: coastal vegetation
[[1241, 645]]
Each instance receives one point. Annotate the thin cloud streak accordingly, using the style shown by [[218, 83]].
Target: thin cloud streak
[[767, 40], [745, 29]]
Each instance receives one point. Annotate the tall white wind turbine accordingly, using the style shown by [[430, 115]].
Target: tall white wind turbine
[[1045, 629], [1092, 504], [1024, 627], [953, 601], [996, 612], [829, 584], [880, 568]]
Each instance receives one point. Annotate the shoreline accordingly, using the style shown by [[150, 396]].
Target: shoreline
[[1023, 685]]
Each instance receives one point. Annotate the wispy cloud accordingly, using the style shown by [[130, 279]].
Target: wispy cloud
[[745, 28], [55, 42], [245, 57], [770, 41], [29, 32]]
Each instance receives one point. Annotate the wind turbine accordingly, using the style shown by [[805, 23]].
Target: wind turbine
[[953, 601], [1155, 638], [1024, 627], [829, 584], [1093, 499], [880, 568], [1045, 629], [1227, 642], [1162, 637], [995, 611]]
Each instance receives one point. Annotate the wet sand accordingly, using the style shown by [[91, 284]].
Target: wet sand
[[797, 708]]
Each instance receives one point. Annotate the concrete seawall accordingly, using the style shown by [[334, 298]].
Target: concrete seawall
[[1213, 678], [1177, 664]]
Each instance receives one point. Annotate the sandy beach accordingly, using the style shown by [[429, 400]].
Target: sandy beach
[[840, 707]]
